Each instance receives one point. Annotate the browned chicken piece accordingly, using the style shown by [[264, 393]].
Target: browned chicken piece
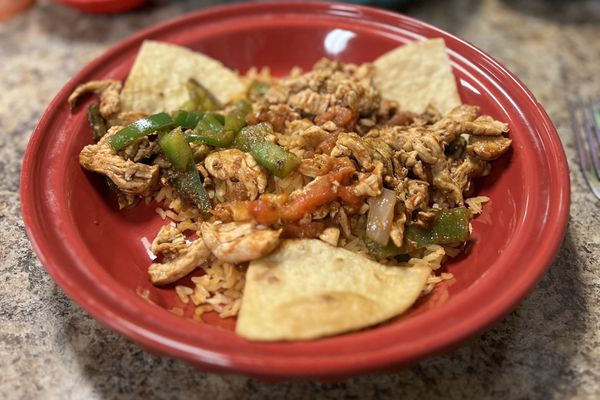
[[397, 231], [430, 151], [108, 90], [328, 84], [140, 149], [368, 184], [414, 194], [278, 115], [237, 242], [471, 167], [419, 149], [424, 218], [488, 147], [313, 136], [409, 160], [368, 152], [396, 137], [294, 181], [186, 260], [200, 151], [130, 177], [168, 242], [464, 112], [318, 165], [311, 102], [302, 137], [465, 119], [449, 129], [486, 126], [237, 175], [126, 200]]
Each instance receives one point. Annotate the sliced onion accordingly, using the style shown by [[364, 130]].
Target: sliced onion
[[381, 215]]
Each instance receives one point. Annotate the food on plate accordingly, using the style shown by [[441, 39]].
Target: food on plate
[[291, 294], [309, 205]]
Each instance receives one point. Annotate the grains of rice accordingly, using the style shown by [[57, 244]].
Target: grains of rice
[[177, 311], [144, 294], [183, 292], [433, 256], [475, 204], [188, 225], [220, 289]]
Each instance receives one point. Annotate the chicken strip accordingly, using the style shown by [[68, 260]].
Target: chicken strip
[[186, 261], [108, 90], [237, 242], [488, 147], [130, 177], [237, 175]]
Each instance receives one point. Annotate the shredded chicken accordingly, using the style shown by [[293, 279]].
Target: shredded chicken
[[368, 152], [471, 167], [464, 119], [237, 175], [141, 149], [315, 166], [397, 231], [330, 235], [329, 84], [236, 242], [488, 147], [168, 242], [130, 177], [108, 90], [186, 260], [368, 184], [350, 145]]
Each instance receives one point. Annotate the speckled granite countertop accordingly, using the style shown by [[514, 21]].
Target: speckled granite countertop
[[548, 348]]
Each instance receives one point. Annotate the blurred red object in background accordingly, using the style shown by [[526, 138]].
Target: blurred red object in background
[[8, 8], [102, 6]]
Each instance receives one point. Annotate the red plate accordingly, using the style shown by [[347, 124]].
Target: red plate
[[102, 6], [98, 254]]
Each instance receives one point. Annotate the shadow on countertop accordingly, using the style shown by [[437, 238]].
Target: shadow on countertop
[[529, 354]]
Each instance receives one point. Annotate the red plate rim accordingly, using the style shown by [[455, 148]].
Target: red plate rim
[[163, 339]]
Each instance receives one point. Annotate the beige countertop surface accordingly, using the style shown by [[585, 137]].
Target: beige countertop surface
[[548, 348]]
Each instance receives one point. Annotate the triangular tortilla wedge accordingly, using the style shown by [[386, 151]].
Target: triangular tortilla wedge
[[416, 75], [308, 289], [157, 79]]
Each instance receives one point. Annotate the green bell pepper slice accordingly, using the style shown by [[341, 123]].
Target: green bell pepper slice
[[187, 119], [96, 122], [235, 119], [139, 129], [210, 131], [449, 226], [258, 88], [273, 157], [187, 179], [389, 250]]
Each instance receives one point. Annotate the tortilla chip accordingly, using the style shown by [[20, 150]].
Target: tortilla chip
[[416, 75], [157, 79], [308, 289]]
